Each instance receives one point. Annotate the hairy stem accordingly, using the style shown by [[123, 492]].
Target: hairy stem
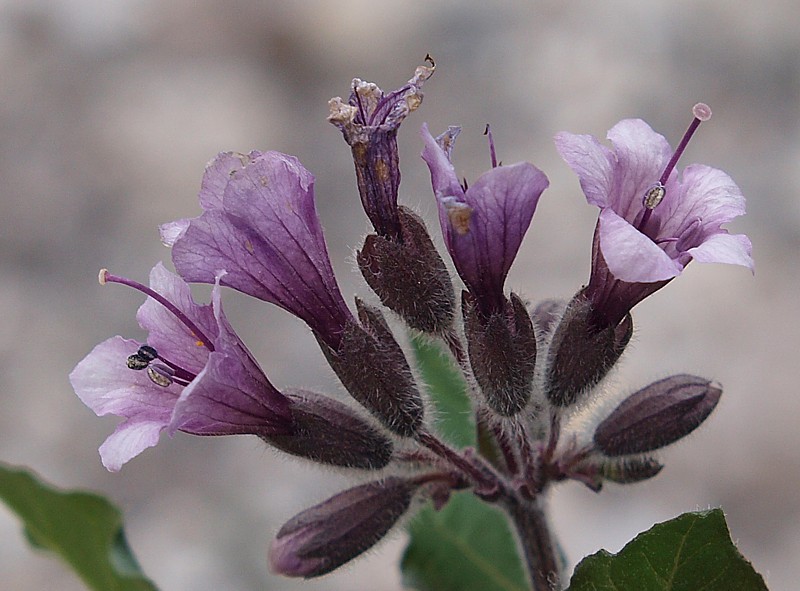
[[538, 544]]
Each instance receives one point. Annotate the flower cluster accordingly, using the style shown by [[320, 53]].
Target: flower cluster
[[534, 372]]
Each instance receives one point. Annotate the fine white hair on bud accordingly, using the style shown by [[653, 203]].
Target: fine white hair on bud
[[702, 111]]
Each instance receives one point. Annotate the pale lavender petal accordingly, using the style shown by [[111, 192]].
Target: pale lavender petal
[[129, 439], [171, 337], [104, 383], [172, 231], [703, 193], [734, 249], [630, 255], [641, 156], [591, 161]]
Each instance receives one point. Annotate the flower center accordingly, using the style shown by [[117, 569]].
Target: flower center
[[656, 193], [164, 373]]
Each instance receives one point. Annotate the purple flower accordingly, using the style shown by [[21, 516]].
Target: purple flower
[[194, 374], [260, 225], [483, 225], [653, 220], [369, 122]]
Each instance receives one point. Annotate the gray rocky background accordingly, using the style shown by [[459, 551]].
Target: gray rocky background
[[109, 110]]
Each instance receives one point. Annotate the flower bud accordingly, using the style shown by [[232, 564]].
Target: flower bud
[[630, 470], [582, 353], [325, 537], [409, 276], [657, 415], [374, 370], [318, 420], [502, 353]]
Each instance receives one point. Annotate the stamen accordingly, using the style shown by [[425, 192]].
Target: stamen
[[160, 375], [147, 352], [492, 153], [106, 277], [656, 193], [654, 196], [137, 362]]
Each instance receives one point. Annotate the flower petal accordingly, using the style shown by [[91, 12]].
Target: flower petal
[[503, 201], [703, 193], [129, 439], [630, 255], [231, 395], [641, 156], [591, 161], [734, 249], [105, 384], [170, 337], [269, 240]]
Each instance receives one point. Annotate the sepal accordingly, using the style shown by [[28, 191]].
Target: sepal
[[374, 370], [582, 352], [318, 420], [409, 276], [502, 353]]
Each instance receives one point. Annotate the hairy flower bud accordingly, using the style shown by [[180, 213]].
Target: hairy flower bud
[[657, 415], [409, 276], [328, 535], [502, 353], [318, 421], [630, 470], [374, 370], [581, 352]]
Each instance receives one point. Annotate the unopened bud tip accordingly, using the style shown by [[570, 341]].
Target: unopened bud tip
[[101, 277]]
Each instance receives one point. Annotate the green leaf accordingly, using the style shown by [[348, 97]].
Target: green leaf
[[467, 546], [448, 392], [84, 529], [692, 552]]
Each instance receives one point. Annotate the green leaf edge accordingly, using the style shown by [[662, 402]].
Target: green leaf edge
[[598, 565], [120, 571]]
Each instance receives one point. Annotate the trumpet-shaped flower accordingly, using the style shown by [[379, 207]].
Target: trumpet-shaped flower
[[194, 374], [260, 224], [483, 225], [653, 220]]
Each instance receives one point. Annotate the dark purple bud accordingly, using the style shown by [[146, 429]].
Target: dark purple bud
[[409, 276], [657, 415], [374, 370], [630, 470], [581, 352], [502, 353], [329, 432], [325, 537]]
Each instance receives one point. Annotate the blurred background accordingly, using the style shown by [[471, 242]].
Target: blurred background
[[110, 109]]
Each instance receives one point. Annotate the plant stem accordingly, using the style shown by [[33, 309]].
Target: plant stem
[[538, 544]]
